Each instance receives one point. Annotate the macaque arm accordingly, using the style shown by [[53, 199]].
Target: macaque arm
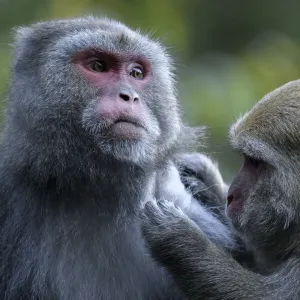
[[201, 268]]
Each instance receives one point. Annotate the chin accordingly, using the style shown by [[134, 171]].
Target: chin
[[138, 152]]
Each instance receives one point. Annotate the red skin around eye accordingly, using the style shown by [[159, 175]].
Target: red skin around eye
[[118, 68]]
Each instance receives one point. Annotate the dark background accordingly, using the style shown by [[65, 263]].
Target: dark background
[[229, 53]]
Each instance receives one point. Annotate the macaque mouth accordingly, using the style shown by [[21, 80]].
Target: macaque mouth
[[127, 127], [130, 120]]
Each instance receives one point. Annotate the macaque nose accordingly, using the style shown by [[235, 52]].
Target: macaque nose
[[129, 96]]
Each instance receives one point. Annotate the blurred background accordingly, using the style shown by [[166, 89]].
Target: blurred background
[[229, 53]]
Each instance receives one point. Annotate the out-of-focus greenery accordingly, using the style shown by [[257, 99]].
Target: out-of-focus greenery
[[229, 53]]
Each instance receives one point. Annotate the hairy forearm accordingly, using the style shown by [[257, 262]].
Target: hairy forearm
[[209, 272]]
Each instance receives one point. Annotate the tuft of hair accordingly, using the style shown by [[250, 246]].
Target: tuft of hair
[[191, 138]]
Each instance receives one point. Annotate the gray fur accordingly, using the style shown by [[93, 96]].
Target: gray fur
[[69, 195], [172, 189]]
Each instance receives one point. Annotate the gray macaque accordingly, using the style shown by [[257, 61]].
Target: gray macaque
[[91, 132]]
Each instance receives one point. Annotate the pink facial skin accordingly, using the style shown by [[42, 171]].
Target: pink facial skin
[[242, 185], [120, 104]]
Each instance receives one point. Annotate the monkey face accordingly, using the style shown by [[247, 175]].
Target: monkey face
[[243, 191], [106, 83], [261, 203], [118, 117], [262, 199]]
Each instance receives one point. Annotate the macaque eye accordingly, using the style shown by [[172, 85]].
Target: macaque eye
[[97, 66], [137, 72]]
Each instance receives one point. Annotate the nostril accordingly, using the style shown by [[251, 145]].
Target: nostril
[[125, 97], [136, 99], [229, 199]]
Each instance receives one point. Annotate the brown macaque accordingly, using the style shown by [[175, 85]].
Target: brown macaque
[[263, 206]]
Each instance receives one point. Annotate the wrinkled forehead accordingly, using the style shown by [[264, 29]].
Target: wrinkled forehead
[[114, 39]]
